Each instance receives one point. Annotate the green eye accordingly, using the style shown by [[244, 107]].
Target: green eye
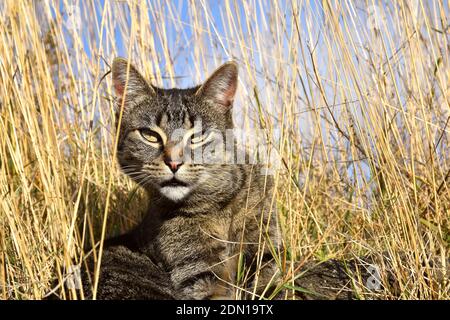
[[150, 136], [197, 139]]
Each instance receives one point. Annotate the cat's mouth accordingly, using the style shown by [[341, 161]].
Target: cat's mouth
[[174, 189], [174, 182]]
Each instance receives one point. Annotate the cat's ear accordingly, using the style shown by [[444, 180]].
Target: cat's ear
[[221, 85], [136, 84]]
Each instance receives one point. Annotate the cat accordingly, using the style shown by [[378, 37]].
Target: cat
[[206, 219]]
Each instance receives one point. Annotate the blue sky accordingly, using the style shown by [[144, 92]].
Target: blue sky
[[183, 61], [185, 57]]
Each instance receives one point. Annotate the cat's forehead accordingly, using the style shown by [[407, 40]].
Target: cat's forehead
[[172, 109], [175, 109], [175, 114]]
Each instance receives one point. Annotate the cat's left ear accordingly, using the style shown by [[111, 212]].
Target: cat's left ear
[[128, 81], [221, 85]]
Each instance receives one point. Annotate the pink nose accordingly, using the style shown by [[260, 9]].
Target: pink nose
[[173, 165]]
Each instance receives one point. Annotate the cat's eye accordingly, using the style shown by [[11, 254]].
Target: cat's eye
[[151, 136], [197, 139]]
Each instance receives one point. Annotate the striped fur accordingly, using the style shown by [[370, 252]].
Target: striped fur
[[193, 231]]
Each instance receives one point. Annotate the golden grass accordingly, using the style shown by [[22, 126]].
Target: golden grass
[[362, 104]]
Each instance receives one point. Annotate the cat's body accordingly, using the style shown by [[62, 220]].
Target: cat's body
[[201, 214], [199, 246]]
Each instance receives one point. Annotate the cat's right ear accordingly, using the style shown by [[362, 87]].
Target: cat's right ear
[[221, 86], [128, 82]]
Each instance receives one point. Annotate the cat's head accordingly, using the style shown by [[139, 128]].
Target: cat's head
[[162, 131]]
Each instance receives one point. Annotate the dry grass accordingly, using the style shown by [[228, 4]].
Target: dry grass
[[362, 105]]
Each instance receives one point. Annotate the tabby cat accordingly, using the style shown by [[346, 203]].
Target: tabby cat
[[205, 217]]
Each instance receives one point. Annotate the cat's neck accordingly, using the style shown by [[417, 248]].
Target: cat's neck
[[200, 203]]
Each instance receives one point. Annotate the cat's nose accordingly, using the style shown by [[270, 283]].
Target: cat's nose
[[173, 165]]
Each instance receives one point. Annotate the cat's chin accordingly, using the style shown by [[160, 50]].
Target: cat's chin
[[175, 193]]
